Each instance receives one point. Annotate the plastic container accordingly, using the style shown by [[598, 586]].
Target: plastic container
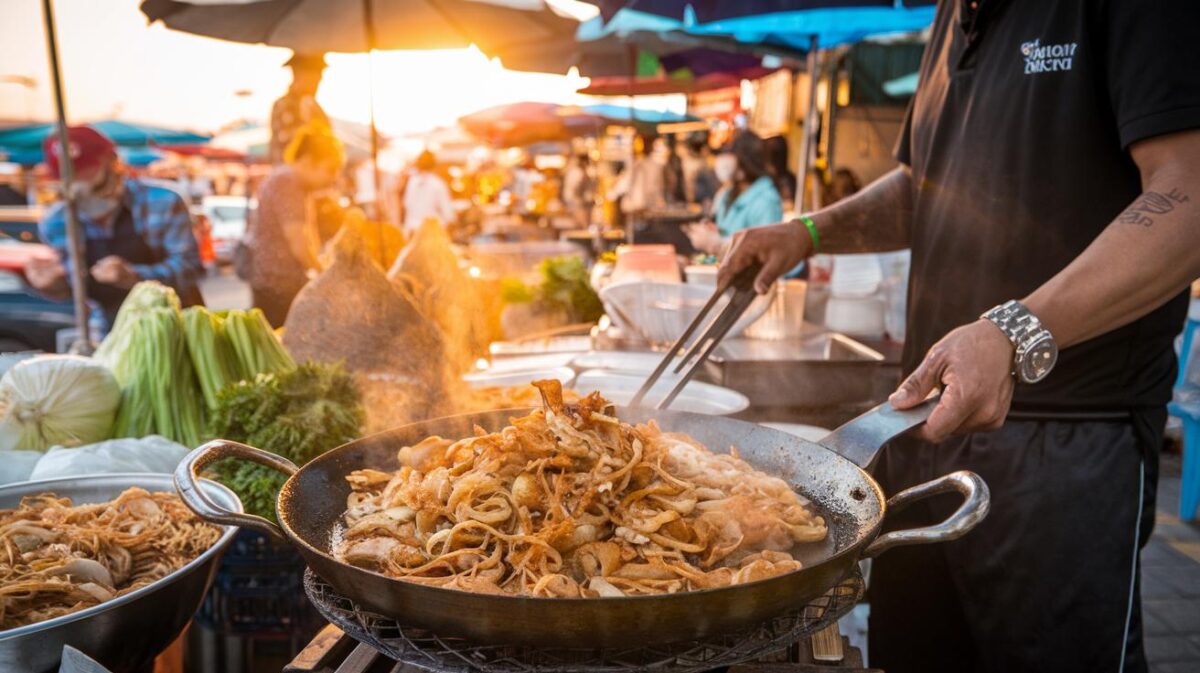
[[784, 317], [660, 312], [856, 316], [646, 262]]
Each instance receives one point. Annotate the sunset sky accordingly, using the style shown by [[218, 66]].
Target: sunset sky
[[116, 65]]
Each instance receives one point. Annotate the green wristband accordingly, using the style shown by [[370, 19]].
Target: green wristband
[[812, 231]]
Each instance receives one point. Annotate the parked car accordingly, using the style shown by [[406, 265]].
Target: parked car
[[28, 321], [227, 217], [21, 222]]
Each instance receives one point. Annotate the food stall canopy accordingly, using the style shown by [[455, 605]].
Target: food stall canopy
[[621, 114], [518, 124], [316, 26], [902, 86], [706, 11], [688, 71], [125, 134], [663, 85], [251, 140]]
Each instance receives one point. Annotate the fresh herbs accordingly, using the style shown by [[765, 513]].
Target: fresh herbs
[[565, 285], [298, 414]]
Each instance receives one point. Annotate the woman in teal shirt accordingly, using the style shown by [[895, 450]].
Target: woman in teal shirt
[[748, 197]]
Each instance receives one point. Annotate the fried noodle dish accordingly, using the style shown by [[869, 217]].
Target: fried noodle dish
[[571, 502], [57, 558]]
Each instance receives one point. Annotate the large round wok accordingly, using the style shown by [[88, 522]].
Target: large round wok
[[829, 473], [126, 633]]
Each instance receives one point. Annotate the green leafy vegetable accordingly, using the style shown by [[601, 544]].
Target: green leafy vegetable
[[298, 414], [212, 355], [147, 353], [254, 342], [56, 399], [565, 282], [565, 285]]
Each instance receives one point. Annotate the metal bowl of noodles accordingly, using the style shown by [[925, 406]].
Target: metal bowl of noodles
[[126, 633]]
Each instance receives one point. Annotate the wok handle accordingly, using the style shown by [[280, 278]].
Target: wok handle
[[976, 503], [860, 439], [187, 477]]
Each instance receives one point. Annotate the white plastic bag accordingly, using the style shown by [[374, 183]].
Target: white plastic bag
[[153, 454], [17, 465]]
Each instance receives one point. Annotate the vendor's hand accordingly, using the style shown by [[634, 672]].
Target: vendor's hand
[[45, 273], [973, 367], [115, 271], [705, 237], [778, 248]]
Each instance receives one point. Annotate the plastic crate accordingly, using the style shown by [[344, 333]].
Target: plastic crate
[[258, 590]]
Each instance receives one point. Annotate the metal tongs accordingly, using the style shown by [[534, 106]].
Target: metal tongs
[[743, 294]]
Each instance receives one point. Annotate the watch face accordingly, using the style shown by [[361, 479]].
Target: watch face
[[1038, 361]]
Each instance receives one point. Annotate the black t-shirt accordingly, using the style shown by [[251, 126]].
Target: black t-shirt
[[1018, 141]]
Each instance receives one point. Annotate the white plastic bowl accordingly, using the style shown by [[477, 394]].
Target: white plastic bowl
[[696, 397], [660, 312]]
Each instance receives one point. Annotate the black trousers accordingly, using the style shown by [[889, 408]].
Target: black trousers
[[1048, 581]]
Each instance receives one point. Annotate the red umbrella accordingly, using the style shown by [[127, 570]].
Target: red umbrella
[[519, 124], [207, 151]]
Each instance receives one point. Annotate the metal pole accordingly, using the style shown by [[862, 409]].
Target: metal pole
[[633, 135], [810, 123], [369, 30], [76, 245]]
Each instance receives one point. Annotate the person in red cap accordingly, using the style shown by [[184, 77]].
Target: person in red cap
[[134, 230]]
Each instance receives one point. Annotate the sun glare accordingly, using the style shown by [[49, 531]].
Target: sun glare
[[418, 90]]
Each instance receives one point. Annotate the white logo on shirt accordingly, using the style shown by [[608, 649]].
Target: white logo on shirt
[[1049, 57]]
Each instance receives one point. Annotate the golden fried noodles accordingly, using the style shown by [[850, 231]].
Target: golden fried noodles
[[569, 501], [56, 558]]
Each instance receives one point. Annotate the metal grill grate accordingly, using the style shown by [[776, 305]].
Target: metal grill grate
[[426, 650]]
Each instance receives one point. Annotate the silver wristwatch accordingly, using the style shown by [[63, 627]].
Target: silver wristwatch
[[1036, 350]]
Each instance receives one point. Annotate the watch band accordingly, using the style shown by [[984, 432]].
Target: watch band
[[1023, 329]]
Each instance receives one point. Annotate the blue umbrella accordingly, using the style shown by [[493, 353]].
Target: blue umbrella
[[831, 26], [139, 156], [707, 11], [122, 133], [622, 114]]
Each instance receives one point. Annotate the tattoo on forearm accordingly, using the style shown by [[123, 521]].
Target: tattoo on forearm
[[1150, 205]]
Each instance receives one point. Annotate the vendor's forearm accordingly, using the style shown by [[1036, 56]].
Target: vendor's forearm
[[1146, 256], [876, 219]]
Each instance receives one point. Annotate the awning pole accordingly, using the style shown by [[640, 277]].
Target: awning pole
[[810, 123], [377, 208], [76, 245], [633, 135]]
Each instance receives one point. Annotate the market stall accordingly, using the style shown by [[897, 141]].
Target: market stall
[[439, 456]]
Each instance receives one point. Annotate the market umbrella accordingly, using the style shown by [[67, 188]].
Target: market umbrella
[[253, 140], [621, 114], [519, 124], [314, 26], [706, 11], [665, 84], [902, 86], [633, 42], [124, 134], [354, 26], [818, 23]]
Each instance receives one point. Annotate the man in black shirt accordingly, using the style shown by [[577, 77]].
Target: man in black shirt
[[1051, 156]]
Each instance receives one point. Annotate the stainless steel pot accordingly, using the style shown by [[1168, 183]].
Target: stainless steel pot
[[126, 633]]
